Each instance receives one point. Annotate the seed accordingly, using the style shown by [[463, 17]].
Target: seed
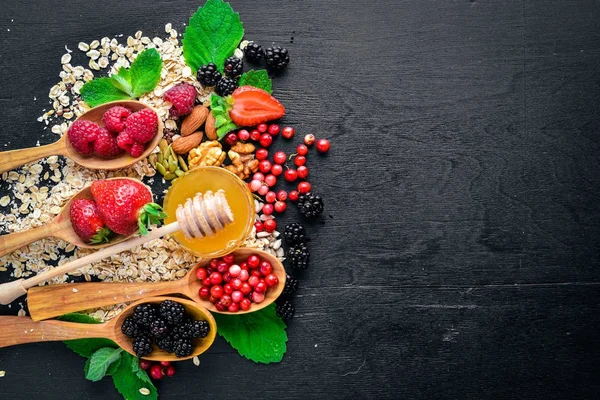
[[179, 172], [162, 145], [145, 391], [173, 166], [169, 176], [182, 163], [161, 169], [160, 159]]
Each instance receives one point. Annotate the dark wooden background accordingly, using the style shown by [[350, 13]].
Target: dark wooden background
[[462, 259]]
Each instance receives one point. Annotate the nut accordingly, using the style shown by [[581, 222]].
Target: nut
[[242, 165], [207, 154], [186, 143], [194, 120], [209, 127]]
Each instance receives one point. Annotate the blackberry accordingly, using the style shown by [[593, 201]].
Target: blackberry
[[181, 331], [285, 311], [208, 75], [198, 329], [144, 314], [172, 312], [291, 285], [233, 67], [159, 328], [277, 58], [183, 347], [131, 329], [294, 233], [310, 205], [253, 52], [298, 255], [166, 343], [226, 86], [142, 346]]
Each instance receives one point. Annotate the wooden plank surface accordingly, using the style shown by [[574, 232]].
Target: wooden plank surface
[[461, 259]]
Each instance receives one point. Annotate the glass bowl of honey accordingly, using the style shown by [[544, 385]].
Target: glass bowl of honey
[[239, 198]]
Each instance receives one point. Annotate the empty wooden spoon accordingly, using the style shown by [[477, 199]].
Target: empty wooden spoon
[[20, 330], [15, 158], [51, 301], [59, 227]]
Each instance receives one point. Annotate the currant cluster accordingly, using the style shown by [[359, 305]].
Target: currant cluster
[[158, 370], [167, 326]]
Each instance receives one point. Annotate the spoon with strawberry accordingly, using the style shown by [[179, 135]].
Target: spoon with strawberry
[[110, 136], [83, 223], [124, 208]]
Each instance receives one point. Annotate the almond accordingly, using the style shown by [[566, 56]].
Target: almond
[[211, 132], [194, 121], [184, 144]]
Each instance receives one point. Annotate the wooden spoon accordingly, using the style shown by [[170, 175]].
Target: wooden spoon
[[51, 301], [20, 330], [59, 227], [15, 158]]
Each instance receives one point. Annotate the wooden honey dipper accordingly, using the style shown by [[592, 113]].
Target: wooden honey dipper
[[202, 216]]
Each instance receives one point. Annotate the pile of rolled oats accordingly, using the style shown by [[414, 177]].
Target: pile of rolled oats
[[38, 191]]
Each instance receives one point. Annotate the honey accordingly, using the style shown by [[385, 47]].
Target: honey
[[238, 197]]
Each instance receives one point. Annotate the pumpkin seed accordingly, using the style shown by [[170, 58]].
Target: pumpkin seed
[[169, 176], [163, 144], [182, 164], [173, 166], [161, 169], [179, 172]]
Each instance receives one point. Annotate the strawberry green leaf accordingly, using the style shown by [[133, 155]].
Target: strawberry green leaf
[[100, 361], [129, 378], [100, 91], [220, 107], [145, 72], [212, 34], [150, 214], [85, 347], [259, 79], [259, 336], [102, 236]]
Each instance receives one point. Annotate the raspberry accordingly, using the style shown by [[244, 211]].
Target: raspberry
[[182, 97], [82, 135], [106, 144], [141, 125], [137, 150], [114, 118], [125, 141]]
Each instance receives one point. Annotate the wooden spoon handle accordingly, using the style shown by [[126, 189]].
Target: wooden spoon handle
[[15, 158], [10, 291], [14, 241], [46, 302], [19, 330]]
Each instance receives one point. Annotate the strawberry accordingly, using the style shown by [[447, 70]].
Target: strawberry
[[126, 205], [87, 223], [106, 144], [253, 106]]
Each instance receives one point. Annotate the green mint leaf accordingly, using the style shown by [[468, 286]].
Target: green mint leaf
[[212, 34], [100, 361], [129, 378], [145, 72], [259, 336], [113, 367], [100, 91], [85, 347], [122, 80], [220, 106], [259, 79]]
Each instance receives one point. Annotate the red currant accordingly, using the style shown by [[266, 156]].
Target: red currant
[[288, 132], [220, 307], [279, 157], [244, 275], [323, 145], [215, 278], [302, 172], [226, 300], [237, 296], [222, 267], [309, 139], [236, 283], [265, 140], [264, 166], [245, 304], [244, 266], [260, 287], [280, 206], [226, 277], [264, 189], [265, 268], [290, 175], [270, 197], [261, 154], [231, 139], [227, 288], [300, 161], [246, 288], [206, 282], [216, 291], [170, 371], [254, 185], [235, 270], [213, 263], [302, 150], [255, 135], [270, 225], [273, 129], [145, 364], [213, 299], [258, 297], [258, 177], [229, 258], [253, 280], [243, 134], [262, 128], [282, 195], [293, 196], [304, 187], [201, 273], [156, 372], [271, 280], [270, 180], [259, 226], [276, 169], [233, 307], [253, 261], [204, 292], [255, 273], [267, 210]]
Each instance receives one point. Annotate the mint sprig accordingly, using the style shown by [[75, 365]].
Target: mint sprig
[[140, 78], [259, 79], [212, 34], [220, 106], [259, 336], [99, 363]]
